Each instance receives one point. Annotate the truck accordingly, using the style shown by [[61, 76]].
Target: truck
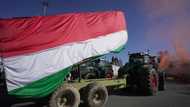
[[38, 53], [143, 73]]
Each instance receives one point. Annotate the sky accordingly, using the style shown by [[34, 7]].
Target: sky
[[150, 23]]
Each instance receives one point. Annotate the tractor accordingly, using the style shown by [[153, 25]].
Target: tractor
[[142, 73]]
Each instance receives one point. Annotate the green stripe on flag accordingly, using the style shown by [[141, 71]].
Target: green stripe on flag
[[119, 49], [42, 87]]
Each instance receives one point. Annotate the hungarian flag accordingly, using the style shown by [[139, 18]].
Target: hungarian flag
[[37, 52]]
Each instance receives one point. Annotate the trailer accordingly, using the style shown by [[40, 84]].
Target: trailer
[[37, 54]]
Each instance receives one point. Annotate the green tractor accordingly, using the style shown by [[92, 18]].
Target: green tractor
[[143, 75]]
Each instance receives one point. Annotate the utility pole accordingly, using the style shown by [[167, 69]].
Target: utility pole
[[45, 5]]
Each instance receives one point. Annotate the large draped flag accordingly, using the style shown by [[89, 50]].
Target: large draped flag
[[37, 52]]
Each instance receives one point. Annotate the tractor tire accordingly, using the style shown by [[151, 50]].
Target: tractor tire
[[153, 83], [96, 95], [148, 83], [161, 85], [65, 96]]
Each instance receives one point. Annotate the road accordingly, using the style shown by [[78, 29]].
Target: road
[[176, 95]]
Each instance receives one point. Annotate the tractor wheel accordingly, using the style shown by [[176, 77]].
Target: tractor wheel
[[153, 83], [96, 95], [161, 85], [148, 83], [65, 96]]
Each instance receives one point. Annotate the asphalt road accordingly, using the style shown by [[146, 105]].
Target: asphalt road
[[176, 95]]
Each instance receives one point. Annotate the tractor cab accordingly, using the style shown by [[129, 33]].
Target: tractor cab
[[144, 59], [139, 58]]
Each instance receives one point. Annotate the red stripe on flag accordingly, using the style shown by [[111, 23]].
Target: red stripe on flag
[[27, 35]]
